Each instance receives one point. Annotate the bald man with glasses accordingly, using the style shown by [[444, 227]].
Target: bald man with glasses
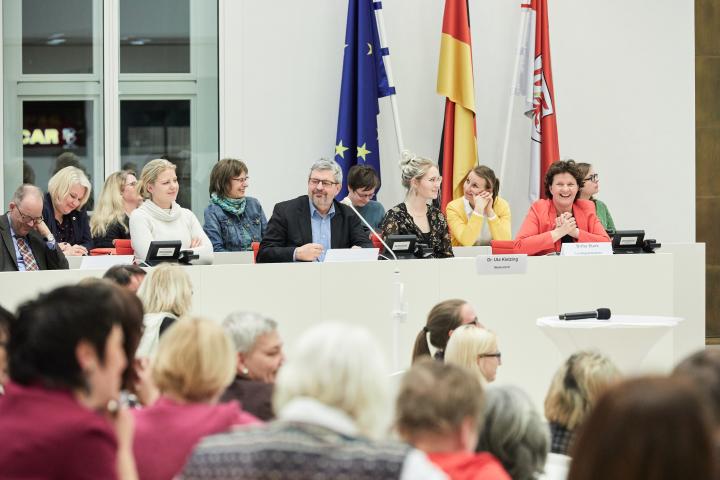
[[27, 244]]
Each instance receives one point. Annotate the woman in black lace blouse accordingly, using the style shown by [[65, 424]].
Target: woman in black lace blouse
[[415, 216]]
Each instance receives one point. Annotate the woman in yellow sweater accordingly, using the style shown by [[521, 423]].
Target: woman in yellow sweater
[[466, 215]]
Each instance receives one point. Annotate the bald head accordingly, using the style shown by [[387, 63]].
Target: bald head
[[25, 209], [26, 190]]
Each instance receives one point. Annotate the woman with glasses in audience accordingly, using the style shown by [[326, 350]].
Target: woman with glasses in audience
[[588, 191], [161, 218], [59, 417], [63, 212], [233, 221], [442, 320], [467, 215], [560, 218], [110, 220], [416, 215], [475, 348]]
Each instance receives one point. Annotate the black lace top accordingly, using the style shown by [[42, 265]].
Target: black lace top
[[398, 221]]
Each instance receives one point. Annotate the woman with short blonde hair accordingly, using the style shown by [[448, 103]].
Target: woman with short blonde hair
[[161, 218], [166, 294], [474, 348], [111, 216], [68, 192], [194, 364]]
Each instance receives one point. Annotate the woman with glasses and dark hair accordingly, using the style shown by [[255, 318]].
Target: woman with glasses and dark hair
[[587, 192], [416, 215], [233, 221], [475, 348], [442, 320], [466, 215], [59, 416], [562, 217]]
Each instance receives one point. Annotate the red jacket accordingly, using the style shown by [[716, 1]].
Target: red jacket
[[534, 237], [469, 466]]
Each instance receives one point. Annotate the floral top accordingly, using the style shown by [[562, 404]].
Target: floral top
[[398, 221]]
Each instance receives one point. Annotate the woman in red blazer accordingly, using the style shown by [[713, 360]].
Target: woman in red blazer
[[562, 217]]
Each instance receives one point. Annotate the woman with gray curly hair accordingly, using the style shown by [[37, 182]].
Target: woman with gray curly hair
[[514, 432]]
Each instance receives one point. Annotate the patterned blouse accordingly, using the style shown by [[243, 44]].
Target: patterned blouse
[[398, 221]]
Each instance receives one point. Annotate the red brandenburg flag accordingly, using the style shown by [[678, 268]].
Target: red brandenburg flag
[[458, 146]]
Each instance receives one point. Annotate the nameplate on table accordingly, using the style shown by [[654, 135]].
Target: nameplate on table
[[501, 264], [581, 249], [335, 255]]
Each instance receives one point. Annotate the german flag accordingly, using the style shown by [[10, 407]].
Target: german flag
[[458, 145]]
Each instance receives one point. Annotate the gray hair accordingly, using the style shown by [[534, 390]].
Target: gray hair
[[325, 164], [514, 432], [244, 328], [23, 191]]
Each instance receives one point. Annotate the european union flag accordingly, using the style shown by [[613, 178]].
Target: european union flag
[[364, 81]]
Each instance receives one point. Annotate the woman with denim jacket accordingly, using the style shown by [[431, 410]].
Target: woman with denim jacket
[[232, 220]]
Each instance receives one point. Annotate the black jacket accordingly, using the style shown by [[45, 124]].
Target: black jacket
[[46, 259]]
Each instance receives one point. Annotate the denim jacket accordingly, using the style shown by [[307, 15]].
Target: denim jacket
[[223, 229]]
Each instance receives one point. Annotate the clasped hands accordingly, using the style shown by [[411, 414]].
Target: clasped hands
[[565, 224], [483, 204]]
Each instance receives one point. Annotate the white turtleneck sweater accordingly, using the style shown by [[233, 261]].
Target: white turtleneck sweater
[[150, 222]]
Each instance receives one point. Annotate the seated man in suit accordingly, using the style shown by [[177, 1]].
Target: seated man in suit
[[303, 229], [27, 243]]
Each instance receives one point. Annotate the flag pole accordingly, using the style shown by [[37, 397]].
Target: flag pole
[[391, 80], [511, 102]]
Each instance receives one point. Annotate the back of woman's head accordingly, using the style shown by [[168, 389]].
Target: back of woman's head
[[110, 206], [577, 385], [166, 288], [442, 319], [703, 370], [47, 331], [514, 432], [436, 398], [195, 360], [646, 428], [413, 167], [465, 345], [341, 366]]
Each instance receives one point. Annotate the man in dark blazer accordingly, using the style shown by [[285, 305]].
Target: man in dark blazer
[[23, 228], [303, 229]]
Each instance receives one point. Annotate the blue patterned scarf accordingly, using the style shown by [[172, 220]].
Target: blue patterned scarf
[[235, 206]]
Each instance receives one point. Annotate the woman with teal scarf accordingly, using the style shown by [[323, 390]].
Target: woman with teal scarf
[[232, 220]]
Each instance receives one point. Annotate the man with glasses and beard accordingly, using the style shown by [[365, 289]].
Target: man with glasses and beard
[[305, 228], [27, 244]]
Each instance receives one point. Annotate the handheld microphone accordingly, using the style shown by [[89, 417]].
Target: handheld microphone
[[372, 230], [600, 314]]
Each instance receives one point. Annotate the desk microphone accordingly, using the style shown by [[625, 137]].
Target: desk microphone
[[372, 230], [600, 314]]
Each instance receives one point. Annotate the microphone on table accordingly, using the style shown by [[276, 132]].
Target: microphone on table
[[372, 230], [600, 314]]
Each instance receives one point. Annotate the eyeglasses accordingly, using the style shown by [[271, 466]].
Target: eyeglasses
[[325, 183], [365, 195], [27, 218], [498, 355], [435, 179], [242, 179], [593, 178], [131, 184]]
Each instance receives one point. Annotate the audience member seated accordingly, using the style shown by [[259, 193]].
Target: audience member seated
[[59, 415], [466, 215], [68, 192], [574, 390], [233, 221], [476, 349], [128, 276], [560, 218], [703, 370], [303, 229], [587, 192], [441, 321], [159, 217], [5, 319], [27, 242], [646, 428], [439, 410], [415, 216], [332, 400], [362, 182], [194, 365], [110, 220], [166, 295], [514, 432], [259, 357]]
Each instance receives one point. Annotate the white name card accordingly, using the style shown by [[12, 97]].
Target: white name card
[[501, 264], [579, 249]]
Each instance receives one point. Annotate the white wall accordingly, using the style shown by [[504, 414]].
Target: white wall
[[624, 85]]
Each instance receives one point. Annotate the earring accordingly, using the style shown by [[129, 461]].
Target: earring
[[245, 371]]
